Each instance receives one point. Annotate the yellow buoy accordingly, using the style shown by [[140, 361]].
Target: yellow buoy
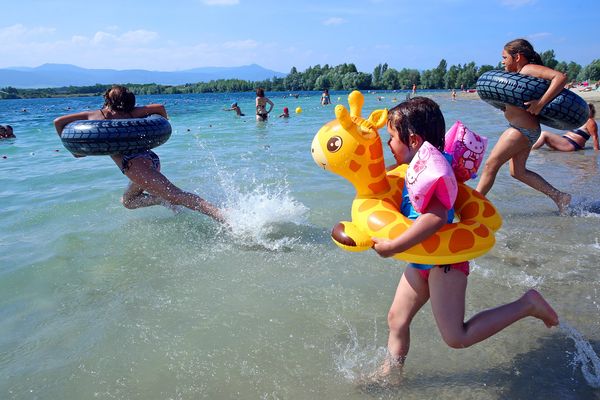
[[298, 110]]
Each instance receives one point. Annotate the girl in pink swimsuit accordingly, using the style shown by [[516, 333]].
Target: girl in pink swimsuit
[[410, 124]]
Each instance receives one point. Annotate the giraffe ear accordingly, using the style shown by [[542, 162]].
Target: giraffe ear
[[379, 118], [343, 117]]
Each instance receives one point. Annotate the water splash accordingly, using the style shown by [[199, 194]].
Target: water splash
[[584, 207], [257, 213], [263, 216], [356, 361], [584, 356]]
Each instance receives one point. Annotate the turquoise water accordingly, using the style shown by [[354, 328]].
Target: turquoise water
[[97, 301]]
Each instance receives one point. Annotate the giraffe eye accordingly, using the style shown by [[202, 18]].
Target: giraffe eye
[[334, 144]]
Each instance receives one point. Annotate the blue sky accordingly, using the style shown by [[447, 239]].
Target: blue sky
[[183, 34]]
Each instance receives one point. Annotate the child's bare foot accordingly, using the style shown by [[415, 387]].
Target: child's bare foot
[[540, 308], [389, 373], [564, 200]]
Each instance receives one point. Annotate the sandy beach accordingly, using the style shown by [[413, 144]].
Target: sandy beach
[[593, 96]]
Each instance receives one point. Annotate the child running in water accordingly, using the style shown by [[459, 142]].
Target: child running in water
[[410, 124], [524, 125], [143, 169]]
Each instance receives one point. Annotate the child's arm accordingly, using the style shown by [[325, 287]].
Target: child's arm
[[144, 111], [557, 83], [61, 122], [424, 226]]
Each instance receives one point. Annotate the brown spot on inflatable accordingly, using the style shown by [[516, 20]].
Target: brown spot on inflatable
[[432, 243], [461, 239]]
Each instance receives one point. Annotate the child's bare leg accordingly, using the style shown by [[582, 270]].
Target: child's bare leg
[[518, 170], [141, 173], [412, 293], [448, 304], [510, 143], [134, 197]]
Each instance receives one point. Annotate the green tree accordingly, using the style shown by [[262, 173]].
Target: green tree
[[573, 69], [390, 79], [438, 75], [451, 77], [548, 59], [591, 72]]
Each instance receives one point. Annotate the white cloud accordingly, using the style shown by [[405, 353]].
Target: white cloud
[[334, 21], [137, 49], [517, 3], [130, 38], [221, 2], [539, 35], [241, 44], [19, 32]]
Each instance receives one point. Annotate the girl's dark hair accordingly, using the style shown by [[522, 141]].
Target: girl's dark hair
[[420, 116], [523, 47], [592, 110], [119, 98], [260, 92]]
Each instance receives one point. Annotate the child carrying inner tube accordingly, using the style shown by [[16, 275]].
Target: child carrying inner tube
[[524, 126], [148, 186]]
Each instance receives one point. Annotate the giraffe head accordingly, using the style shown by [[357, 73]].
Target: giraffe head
[[350, 146]]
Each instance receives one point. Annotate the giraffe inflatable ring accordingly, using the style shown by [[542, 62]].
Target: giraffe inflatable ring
[[350, 146]]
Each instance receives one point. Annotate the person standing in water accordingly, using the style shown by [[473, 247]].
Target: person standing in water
[[262, 114], [524, 126], [325, 98], [148, 186]]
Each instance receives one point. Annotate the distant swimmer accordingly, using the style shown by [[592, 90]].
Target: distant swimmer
[[286, 113], [236, 108], [6, 132]]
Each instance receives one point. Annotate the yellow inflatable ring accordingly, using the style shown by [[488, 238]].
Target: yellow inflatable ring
[[350, 146]]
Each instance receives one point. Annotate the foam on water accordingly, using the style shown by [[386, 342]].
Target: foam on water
[[584, 356]]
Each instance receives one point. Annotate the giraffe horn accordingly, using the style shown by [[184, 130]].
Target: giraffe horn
[[356, 101], [343, 117]]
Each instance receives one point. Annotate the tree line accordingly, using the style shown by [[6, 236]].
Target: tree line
[[341, 77]]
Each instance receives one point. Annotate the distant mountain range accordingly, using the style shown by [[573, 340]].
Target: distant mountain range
[[57, 75]]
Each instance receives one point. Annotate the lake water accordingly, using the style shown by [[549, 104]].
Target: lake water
[[97, 301]]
